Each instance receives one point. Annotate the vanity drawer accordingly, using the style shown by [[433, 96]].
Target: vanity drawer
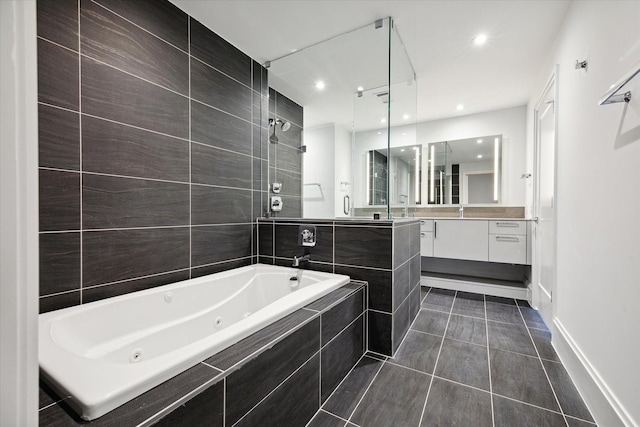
[[426, 225], [508, 248], [508, 227], [426, 243]]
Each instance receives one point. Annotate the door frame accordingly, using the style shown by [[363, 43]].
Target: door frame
[[550, 88]]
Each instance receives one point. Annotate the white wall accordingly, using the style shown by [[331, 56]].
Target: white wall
[[18, 215], [319, 168], [597, 301]]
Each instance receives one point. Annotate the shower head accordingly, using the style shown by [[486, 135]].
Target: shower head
[[283, 125]]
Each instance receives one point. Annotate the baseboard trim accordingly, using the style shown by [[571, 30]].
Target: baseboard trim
[[477, 287], [601, 401]]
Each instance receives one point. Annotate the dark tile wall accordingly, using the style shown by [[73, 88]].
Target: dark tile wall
[[153, 147], [386, 254], [285, 156], [278, 376]]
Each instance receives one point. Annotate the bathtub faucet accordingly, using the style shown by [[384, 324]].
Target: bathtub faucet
[[298, 260]]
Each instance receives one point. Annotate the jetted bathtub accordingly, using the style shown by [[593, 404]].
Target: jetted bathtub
[[105, 353]]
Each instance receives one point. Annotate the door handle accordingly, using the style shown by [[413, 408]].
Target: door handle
[[346, 204], [435, 229]]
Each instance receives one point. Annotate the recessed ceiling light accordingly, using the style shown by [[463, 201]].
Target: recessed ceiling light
[[406, 116], [402, 150], [383, 120], [379, 133], [479, 141], [480, 39], [459, 107], [320, 85], [404, 134], [360, 88], [479, 156]]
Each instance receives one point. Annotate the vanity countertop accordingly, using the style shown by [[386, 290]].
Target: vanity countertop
[[473, 218]]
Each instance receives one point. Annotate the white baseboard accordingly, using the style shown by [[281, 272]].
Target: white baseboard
[[602, 403], [479, 288]]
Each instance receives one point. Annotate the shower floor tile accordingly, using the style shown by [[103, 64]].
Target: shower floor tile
[[468, 359]]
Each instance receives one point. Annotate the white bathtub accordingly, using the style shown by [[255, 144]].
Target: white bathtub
[[105, 353]]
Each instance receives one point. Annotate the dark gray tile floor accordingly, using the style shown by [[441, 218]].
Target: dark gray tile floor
[[467, 360]]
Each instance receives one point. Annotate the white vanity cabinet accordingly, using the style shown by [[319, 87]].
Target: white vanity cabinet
[[503, 241], [426, 237], [461, 239], [508, 241]]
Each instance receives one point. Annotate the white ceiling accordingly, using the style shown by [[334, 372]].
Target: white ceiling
[[437, 34]]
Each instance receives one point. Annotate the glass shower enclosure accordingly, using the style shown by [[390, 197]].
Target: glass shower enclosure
[[359, 95]]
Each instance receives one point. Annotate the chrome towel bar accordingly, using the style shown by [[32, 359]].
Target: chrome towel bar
[[612, 96]]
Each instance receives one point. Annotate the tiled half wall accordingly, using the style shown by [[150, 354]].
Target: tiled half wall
[[386, 254], [153, 146]]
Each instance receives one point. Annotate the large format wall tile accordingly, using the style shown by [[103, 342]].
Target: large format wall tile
[[338, 317], [363, 246], [59, 262], [159, 17], [340, 355], [288, 109], [59, 200], [248, 385], [207, 408], [217, 90], [287, 243], [115, 95], [109, 256], [219, 129], [114, 202], [113, 148], [215, 205], [58, 22], [292, 404], [58, 80], [379, 285], [59, 138], [211, 244], [213, 166], [220, 54], [107, 291], [110, 39]]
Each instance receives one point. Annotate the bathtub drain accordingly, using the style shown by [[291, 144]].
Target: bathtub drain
[[136, 355]]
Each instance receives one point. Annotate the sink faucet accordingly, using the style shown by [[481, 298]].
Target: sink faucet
[[298, 260], [461, 209], [404, 201]]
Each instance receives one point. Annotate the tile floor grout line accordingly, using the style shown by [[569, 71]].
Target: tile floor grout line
[[486, 325], [543, 368], [365, 392], [435, 366]]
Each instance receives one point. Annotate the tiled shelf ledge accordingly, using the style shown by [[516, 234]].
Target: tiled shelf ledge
[[314, 347]]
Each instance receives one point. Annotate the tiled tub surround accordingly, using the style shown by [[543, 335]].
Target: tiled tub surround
[[468, 360], [384, 253], [285, 156], [102, 362], [277, 376], [152, 147]]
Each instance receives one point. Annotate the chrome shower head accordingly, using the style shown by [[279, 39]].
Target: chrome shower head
[[284, 126]]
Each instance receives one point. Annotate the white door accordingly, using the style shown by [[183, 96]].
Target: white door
[[544, 266]]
